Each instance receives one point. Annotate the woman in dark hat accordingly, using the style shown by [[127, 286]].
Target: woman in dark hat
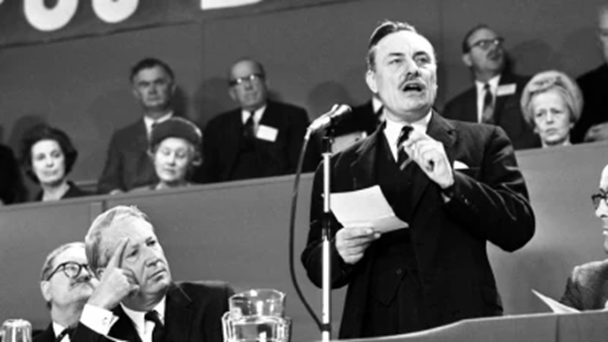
[[175, 149]]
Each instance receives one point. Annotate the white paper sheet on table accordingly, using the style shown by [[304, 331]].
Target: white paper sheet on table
[[555, 306], [365, 208]]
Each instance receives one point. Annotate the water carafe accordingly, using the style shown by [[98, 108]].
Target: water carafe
[[256, 316]]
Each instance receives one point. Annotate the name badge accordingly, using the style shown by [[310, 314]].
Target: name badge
[[506, 89], [267, 133]]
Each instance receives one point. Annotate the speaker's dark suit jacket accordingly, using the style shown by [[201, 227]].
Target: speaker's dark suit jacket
[[587, 287], [193, 313], [489, 203], [47, 335], [223, 137], [507, 112], [127, 165]]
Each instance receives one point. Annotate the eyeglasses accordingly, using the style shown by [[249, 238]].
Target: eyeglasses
[[250, 79], [597, 198], [71, 269], [485, 44]]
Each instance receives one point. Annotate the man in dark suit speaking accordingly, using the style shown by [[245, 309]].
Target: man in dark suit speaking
[[456, 184], [136, 299], [261, 138]]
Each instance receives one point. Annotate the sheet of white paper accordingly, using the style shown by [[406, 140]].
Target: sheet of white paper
[[556, 306], [365, 208]]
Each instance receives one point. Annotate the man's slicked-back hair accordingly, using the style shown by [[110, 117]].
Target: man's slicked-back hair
[[465, 41], [98, 258], [149, 63], [385, 28]]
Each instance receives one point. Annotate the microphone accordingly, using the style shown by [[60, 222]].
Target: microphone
[[336, 113]]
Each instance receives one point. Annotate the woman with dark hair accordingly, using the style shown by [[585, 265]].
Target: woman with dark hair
[[48, 157]]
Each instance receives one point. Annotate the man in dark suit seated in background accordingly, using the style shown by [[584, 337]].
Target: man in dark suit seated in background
[[593, 123], [128, 164], [66, 284], [136, 299], [261, 138], [587, 287], [12, 189], [495, 96], [456, 184]]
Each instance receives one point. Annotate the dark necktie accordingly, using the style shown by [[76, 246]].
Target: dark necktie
[[159, 329], [403, 159], [249, 128], [487, 116], [66, 331]]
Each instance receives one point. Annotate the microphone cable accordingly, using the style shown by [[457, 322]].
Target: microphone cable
[[292, 220]]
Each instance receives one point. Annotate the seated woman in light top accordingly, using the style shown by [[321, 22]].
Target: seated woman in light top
[[175, 149], [47, 158], [551, 104]]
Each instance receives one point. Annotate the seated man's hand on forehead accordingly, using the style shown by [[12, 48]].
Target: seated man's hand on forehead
[[116, 283]]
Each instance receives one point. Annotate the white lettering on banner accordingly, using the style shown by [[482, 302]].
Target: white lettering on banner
[[114, 11], [49, 19]]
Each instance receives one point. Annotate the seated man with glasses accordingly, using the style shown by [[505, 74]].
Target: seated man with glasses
[[587, 287], [66, 284], [495, 97], [261, 138]]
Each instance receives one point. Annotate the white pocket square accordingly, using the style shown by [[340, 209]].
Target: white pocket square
[[460, 165]]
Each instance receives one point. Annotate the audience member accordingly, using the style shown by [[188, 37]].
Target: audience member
[[12, 189], [412, 279], [494, 98], [593, 124], [261, 138], [66, 284], [551, 104], [128, 165], [587, 287], [175, 151], [48, 156], [136, 299]]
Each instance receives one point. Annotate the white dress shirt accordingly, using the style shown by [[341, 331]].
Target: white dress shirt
[[481, 93], [393, 129]]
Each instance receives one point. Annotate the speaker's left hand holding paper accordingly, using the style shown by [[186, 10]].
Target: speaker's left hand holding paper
[[365, 208]]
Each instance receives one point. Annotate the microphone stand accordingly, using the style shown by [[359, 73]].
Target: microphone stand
[[326, 237]]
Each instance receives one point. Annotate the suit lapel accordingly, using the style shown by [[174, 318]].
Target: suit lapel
[[364, 167], [178, 315], [232, 139], [124, 328], [441, 130], [501, 100], [470, 110]]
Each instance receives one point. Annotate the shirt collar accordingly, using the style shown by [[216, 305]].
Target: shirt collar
[[137, 317], [393, 129], [257, 115], [58, 328], [493, 82], [149, 121]]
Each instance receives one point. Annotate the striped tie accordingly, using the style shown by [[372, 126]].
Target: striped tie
[[487, 116], [403, 159]]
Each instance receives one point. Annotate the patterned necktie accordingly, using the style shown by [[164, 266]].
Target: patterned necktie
[[403, 159], [487, 116], [159, 329], [249, 128], [67, 331]]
